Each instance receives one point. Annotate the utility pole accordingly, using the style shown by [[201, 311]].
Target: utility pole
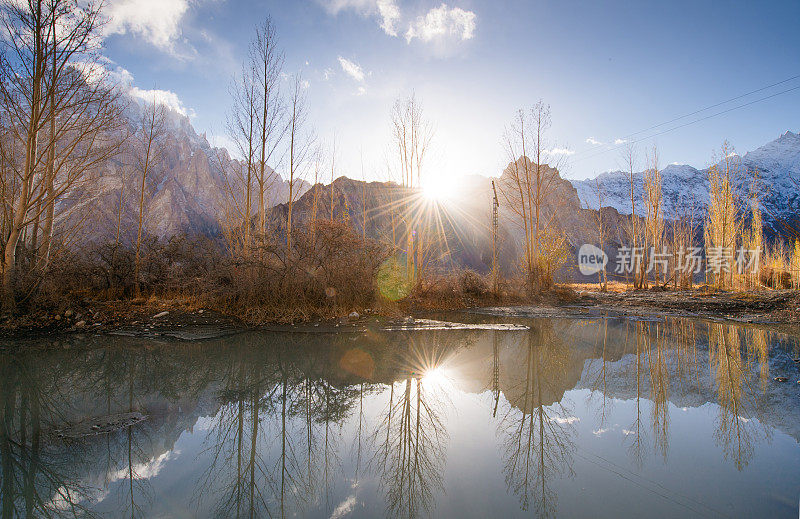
[[495, 270]]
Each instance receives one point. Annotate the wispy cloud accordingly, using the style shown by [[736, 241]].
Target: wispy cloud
[[443, 22], [344, 508], [157, 21], [386, 11], [390, 16], [593, 141], [617, 142], [565, 420], [121, 77], [167, 98], [352, 69], [561, 151]]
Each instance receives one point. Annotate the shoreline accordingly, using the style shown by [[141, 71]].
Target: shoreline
[[182, 320]]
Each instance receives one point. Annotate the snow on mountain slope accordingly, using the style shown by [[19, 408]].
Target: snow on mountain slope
[[777, 164], [185, 191], [681, 184]]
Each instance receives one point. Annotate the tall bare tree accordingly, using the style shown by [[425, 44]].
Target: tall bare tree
[[529, 186], [59, 119], [267, 63], [600, 227], [148, 156], [629, 159], [242, 127], [723, 223], [300, 147], [654, 219], [412, 134]]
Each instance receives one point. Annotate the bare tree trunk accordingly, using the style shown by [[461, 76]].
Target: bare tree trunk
[[299, 146], [22, 205], [152, 128]]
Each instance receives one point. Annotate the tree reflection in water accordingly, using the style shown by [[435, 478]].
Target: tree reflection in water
[[275, 425], [410, 441], [537, 429], [737, 398], [666, 356], [35, 481]]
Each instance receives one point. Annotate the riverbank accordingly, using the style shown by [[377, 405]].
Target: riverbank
[[185, 319]]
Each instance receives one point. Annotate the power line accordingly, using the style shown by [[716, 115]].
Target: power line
[[712, 106], [689, 123]]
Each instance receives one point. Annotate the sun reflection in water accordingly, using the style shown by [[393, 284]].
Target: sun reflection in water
[[437, 377]]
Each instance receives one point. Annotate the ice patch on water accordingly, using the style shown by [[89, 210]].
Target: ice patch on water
[[430, 324]]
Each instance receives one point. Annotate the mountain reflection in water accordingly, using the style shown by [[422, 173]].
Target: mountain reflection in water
[[607, 417]]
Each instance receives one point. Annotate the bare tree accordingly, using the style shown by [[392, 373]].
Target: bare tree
[[242, 126], [684, 228], [723, 223], [59, 119], [300, 147], [333, 175], [601, 230], [267, 63], [412, 135], [654, 222], [753, 240], [148, 157], [529, 187], [629, 158], [315, 190]]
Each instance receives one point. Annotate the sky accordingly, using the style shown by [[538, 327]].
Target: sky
[[608, 70]]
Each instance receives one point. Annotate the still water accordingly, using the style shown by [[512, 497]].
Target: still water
[[602, 417]]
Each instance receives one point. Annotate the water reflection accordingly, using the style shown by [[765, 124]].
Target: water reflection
[[411, 439], [537, 429], [302, 424]]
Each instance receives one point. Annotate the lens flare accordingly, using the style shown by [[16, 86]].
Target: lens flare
[[393, 282]]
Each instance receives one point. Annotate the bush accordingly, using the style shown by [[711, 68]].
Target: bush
[[330, 269]]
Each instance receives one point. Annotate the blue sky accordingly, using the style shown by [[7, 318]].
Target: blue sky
[[607, 69]]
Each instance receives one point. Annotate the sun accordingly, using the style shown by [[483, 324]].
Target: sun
[[436, 190], [436, 377]]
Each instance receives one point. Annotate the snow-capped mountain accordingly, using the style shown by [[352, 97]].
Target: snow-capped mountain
[[777, 164]]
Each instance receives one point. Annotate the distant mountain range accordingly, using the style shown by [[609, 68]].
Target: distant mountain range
[[777, 164], [187, 190]]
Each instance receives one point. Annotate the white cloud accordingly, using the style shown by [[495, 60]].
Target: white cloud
[[593, 141], [163, 97], [327, 74], [390, 15], [600, 431], [565, 420], [443, 22], [352, 69], [617, 142], [386, 10], [120, 77], [157, 21], [361, 91], [344, 508], [561, 151]]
